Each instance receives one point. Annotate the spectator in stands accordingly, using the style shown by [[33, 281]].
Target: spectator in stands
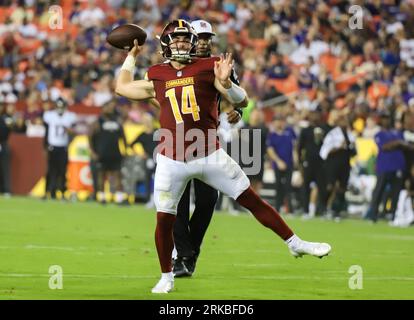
[[371, 127], [92, 16], [28, 30], [280, 147], [276, 68], [306, 80], [83, 88], [103, 92], [33, 117], [33, 112], [148, 12], [75, 14]]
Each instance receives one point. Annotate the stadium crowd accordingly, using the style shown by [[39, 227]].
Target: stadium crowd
[[317, 81]]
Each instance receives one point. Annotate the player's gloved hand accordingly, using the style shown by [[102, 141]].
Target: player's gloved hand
[[135, 50], [233, 117]]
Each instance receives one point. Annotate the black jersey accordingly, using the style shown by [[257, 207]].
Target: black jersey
[[106, 139], [4, 128]]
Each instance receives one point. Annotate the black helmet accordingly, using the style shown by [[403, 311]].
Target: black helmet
[[176, 28], [61, 103]]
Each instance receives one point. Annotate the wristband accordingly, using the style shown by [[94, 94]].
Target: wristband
[[236, 93], [129, 64]]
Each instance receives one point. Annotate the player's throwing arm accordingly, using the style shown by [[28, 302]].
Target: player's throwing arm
[[125, 84]]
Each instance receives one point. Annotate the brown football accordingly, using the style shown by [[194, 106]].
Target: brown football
[[122, 37]]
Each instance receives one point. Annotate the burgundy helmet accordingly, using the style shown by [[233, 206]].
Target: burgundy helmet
[[170, 49]]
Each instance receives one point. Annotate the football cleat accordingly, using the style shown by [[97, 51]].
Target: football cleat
[[315, 249], [163, 286], [183, 267]]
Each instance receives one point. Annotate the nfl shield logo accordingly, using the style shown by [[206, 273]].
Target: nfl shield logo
[[179, 73]]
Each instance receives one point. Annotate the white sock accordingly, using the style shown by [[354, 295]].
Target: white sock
[[293, 241], [312, 209], [119, 197], [167, 276], [174, 253], [100, 196]]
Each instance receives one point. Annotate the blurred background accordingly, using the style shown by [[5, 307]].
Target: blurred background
[[308, 66]]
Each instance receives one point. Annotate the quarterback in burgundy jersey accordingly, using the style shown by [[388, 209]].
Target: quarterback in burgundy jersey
[[182, 98], [192, 87]]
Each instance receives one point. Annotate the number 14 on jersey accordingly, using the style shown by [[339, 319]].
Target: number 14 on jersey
[[188, 103]]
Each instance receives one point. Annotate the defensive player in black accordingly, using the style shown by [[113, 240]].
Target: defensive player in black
[[309, 145], [189, 232], [6, 125], [104, 139], [59, 124]]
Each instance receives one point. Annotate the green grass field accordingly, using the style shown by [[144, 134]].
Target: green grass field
[[109, 253]]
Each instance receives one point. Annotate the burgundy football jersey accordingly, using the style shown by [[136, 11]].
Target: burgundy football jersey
[[189, 110]]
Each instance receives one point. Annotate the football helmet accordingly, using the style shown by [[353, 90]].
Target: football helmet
[[170, 49]]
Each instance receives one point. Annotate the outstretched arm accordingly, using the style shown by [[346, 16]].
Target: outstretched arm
[[229, 90], [125, 84]]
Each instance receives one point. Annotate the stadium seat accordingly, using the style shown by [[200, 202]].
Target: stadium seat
[[331, 62], [29, 45], [285, 86], [259, 45], [377, 90], [345, 82], [4, 13], [4, 72]]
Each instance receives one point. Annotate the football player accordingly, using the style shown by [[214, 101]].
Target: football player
[[59, 125], [189, 233], [106, 155], [187, 90]]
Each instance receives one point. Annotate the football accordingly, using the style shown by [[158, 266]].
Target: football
[[122, 37]]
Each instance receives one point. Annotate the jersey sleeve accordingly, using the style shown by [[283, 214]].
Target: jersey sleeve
[[150, 74]]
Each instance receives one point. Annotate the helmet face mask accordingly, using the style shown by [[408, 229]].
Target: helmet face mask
[[61, 106], [178, 41]]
